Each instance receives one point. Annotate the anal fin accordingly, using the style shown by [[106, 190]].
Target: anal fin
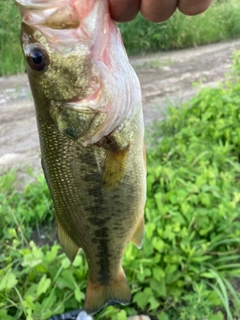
[[98, 295], [138, 235], [70, 248]]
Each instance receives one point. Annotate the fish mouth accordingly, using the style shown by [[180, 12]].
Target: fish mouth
[[74, 104], [51, 13], [73, 100], [77, 105]]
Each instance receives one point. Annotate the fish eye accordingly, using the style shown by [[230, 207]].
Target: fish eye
[[37, 59]]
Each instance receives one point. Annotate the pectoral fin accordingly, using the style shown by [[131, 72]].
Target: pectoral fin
[[138, 236], [114, 168], [69, 247]]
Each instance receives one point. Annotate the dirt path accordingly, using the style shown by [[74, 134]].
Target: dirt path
[[164, 78]]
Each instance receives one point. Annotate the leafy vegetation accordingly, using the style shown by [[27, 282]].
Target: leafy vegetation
[[220, 22], [191, 252], [27, 209], [11, 56]]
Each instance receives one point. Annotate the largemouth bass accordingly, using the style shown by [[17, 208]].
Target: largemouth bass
[[89, 114]]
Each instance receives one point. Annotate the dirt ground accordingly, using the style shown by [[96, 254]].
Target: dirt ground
[[165, 78]]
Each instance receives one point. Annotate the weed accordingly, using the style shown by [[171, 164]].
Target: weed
[[191, 251], [220, 22], [191, 248], [11, 56]]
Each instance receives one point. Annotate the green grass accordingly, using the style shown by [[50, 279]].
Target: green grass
[[221, 22], [10, 51], [190, 257]]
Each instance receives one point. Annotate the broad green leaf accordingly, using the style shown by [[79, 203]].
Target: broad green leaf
[[28, 304], [154, 304], [43, 285], [52, 254], [4, 315], [217, 316], [159, 287], [141, 300], [158, 273], [31, 261], [78, 261], [65, 263], [8, 281], [150, 227], [49, 302], [162, 316], [157, 244], [214, 298], [67, 280], [78, 294], [122, 315], [31, 291]]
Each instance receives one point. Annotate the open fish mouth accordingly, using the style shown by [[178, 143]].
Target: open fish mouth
[[96, 81], [77, 105], [54, 14]]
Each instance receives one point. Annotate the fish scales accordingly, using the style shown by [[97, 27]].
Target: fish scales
[[75, 184], [90, 123]]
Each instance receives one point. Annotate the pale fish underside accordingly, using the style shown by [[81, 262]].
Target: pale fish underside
[[88, 107]]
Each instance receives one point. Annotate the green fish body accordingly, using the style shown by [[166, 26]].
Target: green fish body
[[89, 114]]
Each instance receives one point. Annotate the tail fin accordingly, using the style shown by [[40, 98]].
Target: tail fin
[[98, 295]]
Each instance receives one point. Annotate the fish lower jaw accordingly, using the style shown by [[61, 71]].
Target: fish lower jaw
[[78, 105]]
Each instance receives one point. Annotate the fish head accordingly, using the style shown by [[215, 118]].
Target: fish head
[[57, 51], [76, 61], [56, 73]]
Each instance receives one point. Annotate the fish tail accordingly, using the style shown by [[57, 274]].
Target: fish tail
[[98, 295]]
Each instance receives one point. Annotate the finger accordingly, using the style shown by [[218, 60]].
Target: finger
[[158, 10], [192, 7], [124, 10]]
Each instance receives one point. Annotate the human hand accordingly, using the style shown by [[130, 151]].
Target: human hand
[[154, 10]]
